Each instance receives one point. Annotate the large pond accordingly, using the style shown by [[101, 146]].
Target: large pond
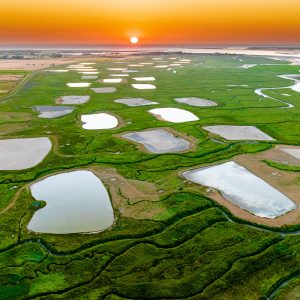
[[174, 115], [231, 132], [99, 121], [19, 154], [194, 101], [243, 189], [135, 102], [158, 141], [51, 112], [75, 202]]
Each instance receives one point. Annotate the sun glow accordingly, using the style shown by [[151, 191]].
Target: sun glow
[[150, 21], [134, 40]]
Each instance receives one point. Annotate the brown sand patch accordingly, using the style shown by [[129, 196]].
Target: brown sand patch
[[143, 210], [147, 188], [10, 77], [35, 64], [9, 82], [58, 100], [286, 182], [128, 195], [279, 156]]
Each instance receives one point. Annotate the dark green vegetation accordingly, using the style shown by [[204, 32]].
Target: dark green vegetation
[[194, 249]]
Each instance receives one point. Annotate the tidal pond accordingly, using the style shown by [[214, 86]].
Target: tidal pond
[[76, 202], [144, 79], [51, 112], [89, 77], [74, 99], [119, 75], [158, 141], [144, 86], [194, 101], [243, 188], [99, 121], [112, 80], [20, 154], [133, 102], [232, 132], [79, 84], [174, 115], [104, 90], [89, 73]]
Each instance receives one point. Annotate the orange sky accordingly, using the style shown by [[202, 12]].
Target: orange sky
[[153, 21]]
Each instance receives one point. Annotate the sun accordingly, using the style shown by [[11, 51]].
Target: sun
[[134, 40]]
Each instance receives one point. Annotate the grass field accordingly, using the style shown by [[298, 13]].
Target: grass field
[[6, 85], [178, 245]]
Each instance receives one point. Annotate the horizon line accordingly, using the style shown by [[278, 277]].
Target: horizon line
[[89, 47]]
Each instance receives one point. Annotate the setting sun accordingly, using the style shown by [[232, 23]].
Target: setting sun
[[134, 40]]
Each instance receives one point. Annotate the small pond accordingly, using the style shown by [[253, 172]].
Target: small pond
[[194, 101], [74, 99], [158, 141], [104, 90], [174, 115], [144, 86], [135, 102], [99, 121], [79, 84], [144, 79]]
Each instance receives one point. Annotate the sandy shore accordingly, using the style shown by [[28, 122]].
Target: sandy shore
[[240, 51], [35, 64], [10, 77]]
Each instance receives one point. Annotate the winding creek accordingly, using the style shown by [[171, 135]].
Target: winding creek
[[295, 87]]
